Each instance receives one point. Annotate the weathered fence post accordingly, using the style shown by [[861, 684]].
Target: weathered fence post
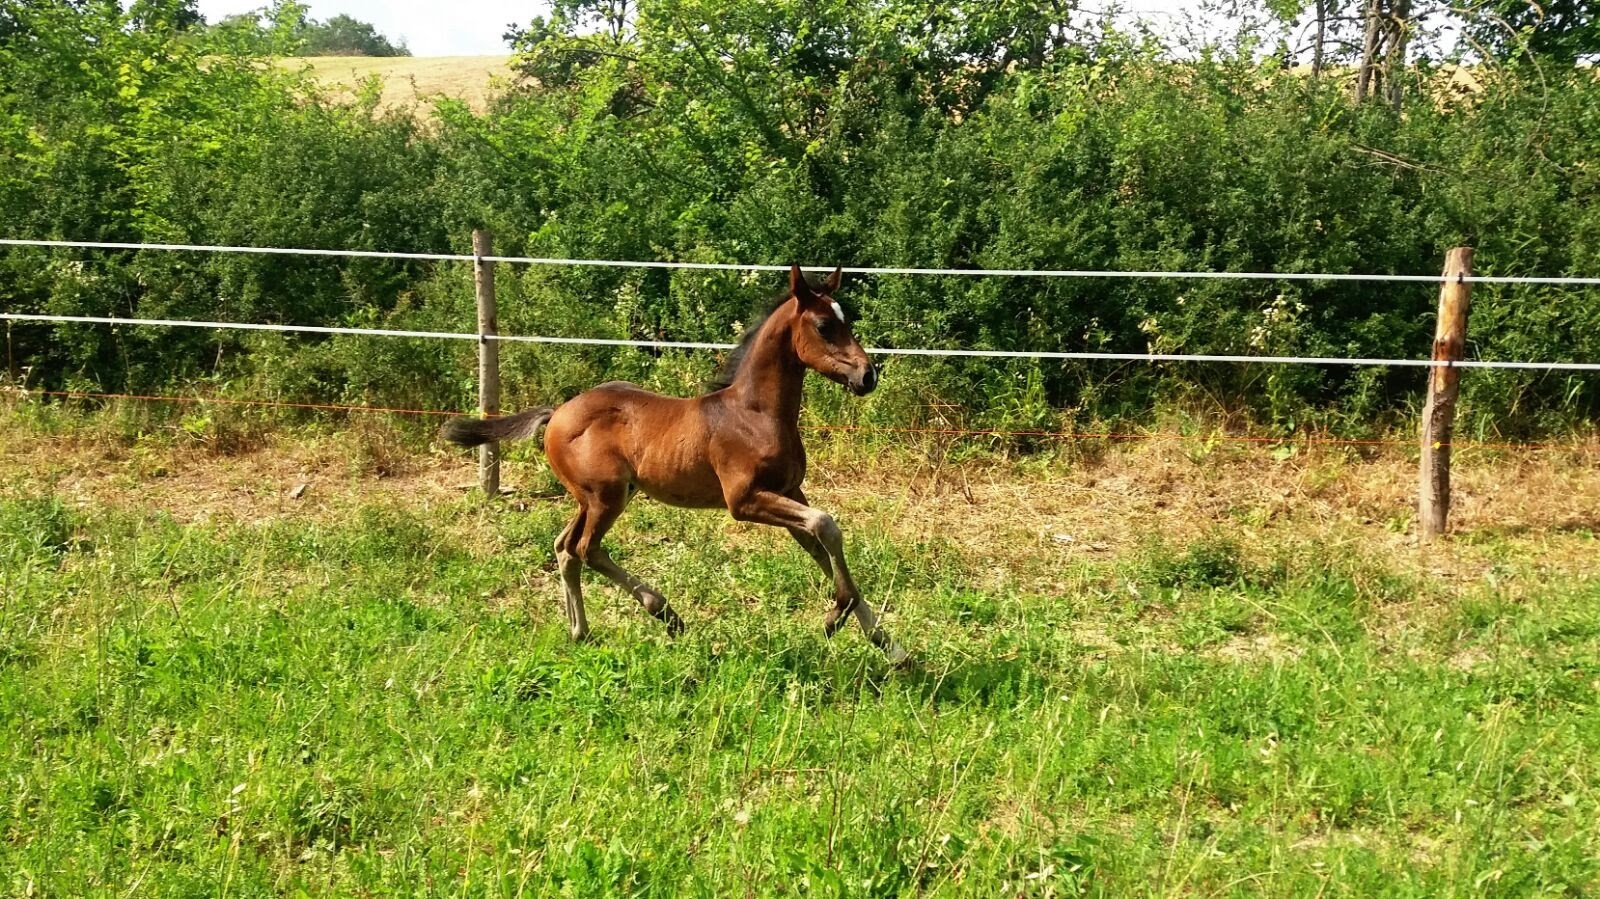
[[1444, 384], [488, 358]]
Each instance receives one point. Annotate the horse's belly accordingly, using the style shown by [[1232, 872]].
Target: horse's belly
[[684, 500], [675, 469], [691, 489]]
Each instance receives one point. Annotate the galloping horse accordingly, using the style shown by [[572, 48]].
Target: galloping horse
[[736, 448]]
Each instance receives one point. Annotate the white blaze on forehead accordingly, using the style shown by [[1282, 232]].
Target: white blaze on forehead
[[836, 310]]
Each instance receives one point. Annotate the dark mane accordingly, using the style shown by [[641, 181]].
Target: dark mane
[[730, 366]]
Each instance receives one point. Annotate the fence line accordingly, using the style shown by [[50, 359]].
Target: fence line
[[854, 270], [880, 351], [366, 332], [225, 401], [1309, 439], [1455, 288]]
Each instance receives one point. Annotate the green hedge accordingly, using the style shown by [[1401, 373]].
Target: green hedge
[[825, 134]]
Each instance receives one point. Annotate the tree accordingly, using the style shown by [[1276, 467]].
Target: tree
[[178, 15], [1563, 31], [346, 36], [577, 35], [1387, 33], [284, 28]]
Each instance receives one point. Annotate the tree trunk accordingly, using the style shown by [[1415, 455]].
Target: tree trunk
[[1369, 51], [1322, 32], [1399, 25]]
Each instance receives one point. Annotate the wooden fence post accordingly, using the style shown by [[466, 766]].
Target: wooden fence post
[[488, 358], [1444, 385]]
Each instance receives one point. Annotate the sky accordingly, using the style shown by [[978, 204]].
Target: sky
[[474, 27]]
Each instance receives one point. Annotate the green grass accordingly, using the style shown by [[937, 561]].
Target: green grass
[[384, 703]]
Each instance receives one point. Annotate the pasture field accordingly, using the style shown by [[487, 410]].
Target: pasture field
[[1160, 669], [407, 79]]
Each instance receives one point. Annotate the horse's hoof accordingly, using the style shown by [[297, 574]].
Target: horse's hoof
[[832, 623]]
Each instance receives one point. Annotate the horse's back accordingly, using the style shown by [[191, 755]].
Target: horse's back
[[623, 401], [625, 386]]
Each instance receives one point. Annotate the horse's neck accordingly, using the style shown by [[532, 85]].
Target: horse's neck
[[771, 378]]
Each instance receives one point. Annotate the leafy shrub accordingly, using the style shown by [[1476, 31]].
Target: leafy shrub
[[1098, 153]]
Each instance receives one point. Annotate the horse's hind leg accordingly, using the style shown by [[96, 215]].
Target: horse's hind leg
[[571, 567], [609, 506], [648, 596]]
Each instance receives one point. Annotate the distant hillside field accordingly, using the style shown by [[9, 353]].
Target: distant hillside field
[[408, 78], [471, 78]]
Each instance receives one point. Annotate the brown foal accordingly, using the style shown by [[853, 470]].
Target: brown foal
[[736, 448]]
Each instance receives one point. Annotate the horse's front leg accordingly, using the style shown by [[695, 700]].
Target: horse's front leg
[[810, 544], [767, 507], [844, 597]]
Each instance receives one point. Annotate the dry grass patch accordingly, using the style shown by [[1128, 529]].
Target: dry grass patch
[[409, 80], [1019, 522], [1519, 519]]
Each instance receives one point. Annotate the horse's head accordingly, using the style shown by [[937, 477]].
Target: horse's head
[[823, 339]]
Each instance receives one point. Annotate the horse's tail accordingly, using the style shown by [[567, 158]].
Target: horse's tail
[[478, 431]]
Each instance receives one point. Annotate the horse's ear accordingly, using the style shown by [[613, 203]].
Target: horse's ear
[[798, 285], [831, 286]]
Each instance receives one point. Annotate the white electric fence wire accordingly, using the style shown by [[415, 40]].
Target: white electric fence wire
[[881, 351], [854, 270]]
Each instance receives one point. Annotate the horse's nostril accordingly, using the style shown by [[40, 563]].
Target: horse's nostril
[[869, 381]]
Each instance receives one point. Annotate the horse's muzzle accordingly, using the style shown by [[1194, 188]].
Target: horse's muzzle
[[865, 382]]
